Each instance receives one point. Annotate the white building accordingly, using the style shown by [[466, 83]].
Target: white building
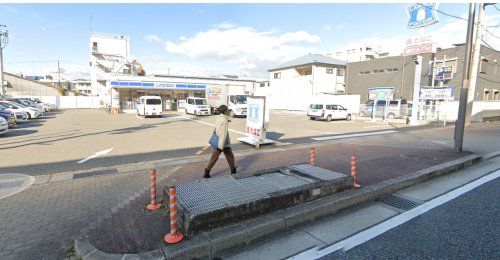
[[295, 83], [109, 56], [356, 52], [81, 86]]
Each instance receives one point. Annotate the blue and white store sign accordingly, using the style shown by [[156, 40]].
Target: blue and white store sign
[[422, 15], [156, 85]]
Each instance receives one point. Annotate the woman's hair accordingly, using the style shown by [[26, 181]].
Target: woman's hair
[[223, 109]]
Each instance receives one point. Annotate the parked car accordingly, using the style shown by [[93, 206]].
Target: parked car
[[9, 116], [25, 102], [149, 106], [397, 108], [197, 106], [4, 125], [16, 107], [328, 112], [48, 107]]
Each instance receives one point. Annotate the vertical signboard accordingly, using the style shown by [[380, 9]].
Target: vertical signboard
[[256, 122]]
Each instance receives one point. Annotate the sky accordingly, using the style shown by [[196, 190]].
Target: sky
[[213, 39]]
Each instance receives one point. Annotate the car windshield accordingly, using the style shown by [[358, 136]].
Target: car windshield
[[17, 105], [1, 106], [200, 102], [153, 101], [241, 99], [316, 106]]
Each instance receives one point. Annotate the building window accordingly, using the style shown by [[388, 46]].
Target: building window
[[329, 71], [392, 70], [364, 72], [482, 65], [377, 71], [277, 75], [340, 72]]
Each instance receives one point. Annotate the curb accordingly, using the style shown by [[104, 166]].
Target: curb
[[213, 243]]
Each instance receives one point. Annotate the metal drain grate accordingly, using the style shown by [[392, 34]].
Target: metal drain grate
[[398, 202], [94, 173]]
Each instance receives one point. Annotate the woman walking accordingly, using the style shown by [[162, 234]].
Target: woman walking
[[220, 142]]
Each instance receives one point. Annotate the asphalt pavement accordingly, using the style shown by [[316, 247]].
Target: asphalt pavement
[[465, 228]]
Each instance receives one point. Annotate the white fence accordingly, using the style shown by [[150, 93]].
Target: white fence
[[71, 102]]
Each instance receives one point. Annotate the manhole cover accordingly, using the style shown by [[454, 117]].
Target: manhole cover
[[416, 157]]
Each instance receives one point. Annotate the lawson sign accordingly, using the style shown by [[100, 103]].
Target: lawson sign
[[421, 15], [156, 85]]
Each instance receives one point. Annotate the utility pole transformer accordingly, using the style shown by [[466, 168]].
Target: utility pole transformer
[[476, 55], [460, 123]]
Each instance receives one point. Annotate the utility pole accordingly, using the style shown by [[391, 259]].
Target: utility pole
[[476, 55], [58, 75], [460, 123], [416, 90], [4, 40]]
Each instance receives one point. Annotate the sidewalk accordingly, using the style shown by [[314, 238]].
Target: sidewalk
[[134, 230]]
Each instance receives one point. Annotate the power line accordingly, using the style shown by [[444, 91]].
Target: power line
[[487, 44], [443, 13], [498, 37]]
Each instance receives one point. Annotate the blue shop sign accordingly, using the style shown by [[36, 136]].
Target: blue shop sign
[[422, 15], [157, 85]]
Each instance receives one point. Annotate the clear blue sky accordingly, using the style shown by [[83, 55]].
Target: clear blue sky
[[59, 32]]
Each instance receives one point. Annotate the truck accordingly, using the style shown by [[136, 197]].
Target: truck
[[233, 96]]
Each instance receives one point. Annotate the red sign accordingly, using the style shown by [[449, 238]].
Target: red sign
[[418, 49]]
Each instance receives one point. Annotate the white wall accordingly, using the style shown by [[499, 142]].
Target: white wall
[[448, 111]]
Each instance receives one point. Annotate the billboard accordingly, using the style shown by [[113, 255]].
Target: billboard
[[384, 93], [418, 45], [430, 93]]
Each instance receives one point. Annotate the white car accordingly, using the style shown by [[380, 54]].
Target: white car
[[328, 112], [16, 107], [149, 106], [197, 106], [4, 125]]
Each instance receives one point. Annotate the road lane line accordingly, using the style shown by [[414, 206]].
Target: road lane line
[[320, 132], [373, 232], [201, 150], [353, 135], [201, 122], [96, 154]]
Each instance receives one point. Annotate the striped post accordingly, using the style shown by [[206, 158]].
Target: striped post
[[174, 236], [153, 205], [353, 172], [311, 156]]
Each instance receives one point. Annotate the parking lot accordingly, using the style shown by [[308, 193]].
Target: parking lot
[[67, 140]]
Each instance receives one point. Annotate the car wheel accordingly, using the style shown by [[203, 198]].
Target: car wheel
[[348, 117], [29, 116], [311, 118], [329, 118]]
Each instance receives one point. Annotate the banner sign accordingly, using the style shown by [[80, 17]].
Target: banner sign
[[444, 73], [255, 117], [431, 93], [381, 93], [157, 85], [418, 45], [421, 15]]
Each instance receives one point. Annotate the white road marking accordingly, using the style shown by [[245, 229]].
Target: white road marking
[[321, 132], [373, 126], [438, 142], [370, 233], [353, 135], [7, 190], [97, 154], [201, 122]]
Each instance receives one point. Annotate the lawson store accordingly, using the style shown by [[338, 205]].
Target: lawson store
[[123, 92]]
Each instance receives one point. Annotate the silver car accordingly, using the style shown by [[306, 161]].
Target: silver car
[[4, 126]]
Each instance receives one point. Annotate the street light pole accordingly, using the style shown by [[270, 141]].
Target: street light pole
[[460, 123], [416, 91]]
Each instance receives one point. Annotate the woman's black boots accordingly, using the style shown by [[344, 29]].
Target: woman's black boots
[[233, 171], [207, 173]]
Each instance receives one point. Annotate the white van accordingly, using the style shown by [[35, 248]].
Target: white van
[[328, 112], [197, 106], [149, 106]]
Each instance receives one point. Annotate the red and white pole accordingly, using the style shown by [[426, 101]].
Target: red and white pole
[[353, 172], [153, 205], [174, 236], [311, 156]]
